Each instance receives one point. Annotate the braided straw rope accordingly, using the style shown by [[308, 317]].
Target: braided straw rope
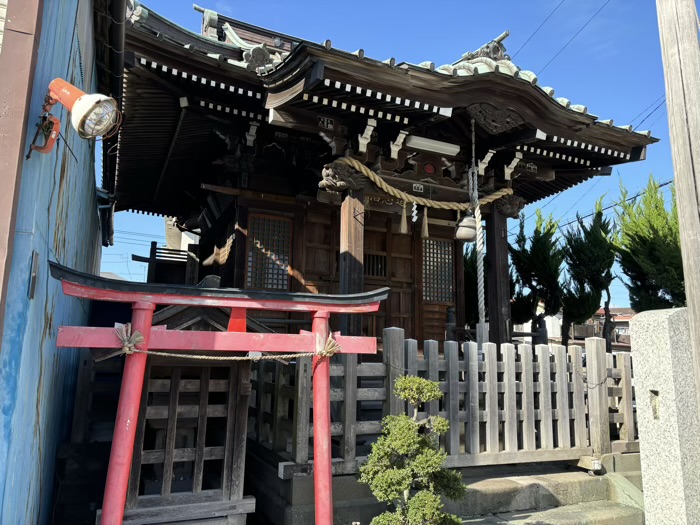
[[421, 201]]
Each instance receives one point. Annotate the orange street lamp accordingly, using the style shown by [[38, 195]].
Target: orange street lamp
[[92, 115]]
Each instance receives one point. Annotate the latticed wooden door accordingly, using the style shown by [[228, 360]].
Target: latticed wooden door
[[190, 442]]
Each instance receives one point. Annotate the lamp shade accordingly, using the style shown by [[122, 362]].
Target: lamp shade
[[92, 115]]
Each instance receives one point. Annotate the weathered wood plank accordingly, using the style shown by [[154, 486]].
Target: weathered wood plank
[[528, 398], [238, 414], [546, 429], [579, 389], [229, 450], [431, 356], [302, 402], [472, 353], [627, 432], [597, 379], [681, 59], [505, 458], [452, 358], [350, 406], [187, 512], [562, 381], [170, 433], [509, 399], [411, 353], [490, 356], [201, 429], [394, 361], [279, 408], [261, 401]]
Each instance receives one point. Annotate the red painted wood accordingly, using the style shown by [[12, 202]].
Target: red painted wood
[[88, 292], [237, 321], [323, 473], [185, 340], [127, 420]]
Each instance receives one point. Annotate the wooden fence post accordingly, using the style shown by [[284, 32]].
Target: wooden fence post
[[431, 356], [393, 357], [452, 401], [627, 432], [597, 385], [302, 401], [471, 350], [411, 360]]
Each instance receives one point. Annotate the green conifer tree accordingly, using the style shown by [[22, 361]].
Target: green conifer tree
[[648, 250], [537, 266], [589, 252]]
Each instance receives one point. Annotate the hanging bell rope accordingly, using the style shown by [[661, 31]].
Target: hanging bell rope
[[421, 201], [474, 190]]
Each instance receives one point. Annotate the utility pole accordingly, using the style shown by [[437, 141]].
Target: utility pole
[[680, 49]]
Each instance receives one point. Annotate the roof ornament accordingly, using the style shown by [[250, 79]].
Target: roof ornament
[[135, 12], [257, 57], [495, 50]]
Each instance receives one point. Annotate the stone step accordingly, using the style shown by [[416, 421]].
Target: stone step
[[524, 493], [635, 478], [628, 462], [596, 513]]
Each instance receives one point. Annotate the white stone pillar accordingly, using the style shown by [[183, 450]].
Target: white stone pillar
[[668, 417]]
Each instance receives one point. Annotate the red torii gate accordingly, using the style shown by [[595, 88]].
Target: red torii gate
[[145, 297]]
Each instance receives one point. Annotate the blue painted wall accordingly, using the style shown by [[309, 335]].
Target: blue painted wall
[[57, 218]]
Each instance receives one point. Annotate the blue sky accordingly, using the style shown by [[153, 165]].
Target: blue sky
[[613, 67]]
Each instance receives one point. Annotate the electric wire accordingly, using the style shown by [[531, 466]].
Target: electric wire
[[538, 28], [647, 108], [573, 37], [652, 112]]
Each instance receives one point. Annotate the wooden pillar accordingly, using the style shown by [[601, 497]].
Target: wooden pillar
[[498, 277], [239, 244], [681, 58], [351, 274], [352, 243]]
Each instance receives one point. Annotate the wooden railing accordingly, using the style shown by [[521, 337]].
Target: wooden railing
[[500, 409]]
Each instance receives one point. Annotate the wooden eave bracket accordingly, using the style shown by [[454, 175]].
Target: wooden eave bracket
[[250, 134], [364, 139], [397, 144], [483, 164], [508, 168]]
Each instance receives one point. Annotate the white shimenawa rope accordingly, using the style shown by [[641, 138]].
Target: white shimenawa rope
[[474, 197]]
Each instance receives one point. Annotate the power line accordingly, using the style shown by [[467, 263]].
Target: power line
[[573, 37], [650, 114], [128, 232], [657, 118], [539, 27], [614, 204], [647, 108]]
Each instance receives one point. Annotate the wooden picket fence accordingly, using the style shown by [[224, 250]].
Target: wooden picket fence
[[505, 405]]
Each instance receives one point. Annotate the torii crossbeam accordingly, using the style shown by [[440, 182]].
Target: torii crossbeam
[[145, 297]]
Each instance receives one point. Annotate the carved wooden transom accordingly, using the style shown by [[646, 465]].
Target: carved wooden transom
[[495, 120]]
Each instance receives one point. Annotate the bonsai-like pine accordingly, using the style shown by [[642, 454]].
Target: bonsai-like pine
[[405, 466]]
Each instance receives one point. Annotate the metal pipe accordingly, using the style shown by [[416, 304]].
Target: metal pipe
[[127, 420], [323, 473]]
